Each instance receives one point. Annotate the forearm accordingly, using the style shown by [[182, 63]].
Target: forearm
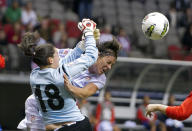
[[85, 61], [81, 93], [155, 107], [72, 54], [161, 108], [91, 51]]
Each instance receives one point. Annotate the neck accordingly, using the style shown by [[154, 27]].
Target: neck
[[92, 69], [44, 67]]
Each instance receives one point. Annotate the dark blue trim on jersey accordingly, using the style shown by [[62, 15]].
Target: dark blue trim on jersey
[[59, 71], [64, 70]]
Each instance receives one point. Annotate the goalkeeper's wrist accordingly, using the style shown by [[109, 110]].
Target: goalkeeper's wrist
[[160, 107], [88, 33]]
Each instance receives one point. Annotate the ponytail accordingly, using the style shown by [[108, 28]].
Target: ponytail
[[40, 53], [28, 44]]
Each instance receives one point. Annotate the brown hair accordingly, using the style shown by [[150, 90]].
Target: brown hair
[[109, 48], [39, 53]]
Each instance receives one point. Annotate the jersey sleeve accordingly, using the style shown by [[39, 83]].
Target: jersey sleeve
[[99, 81], [86, 60], [69, 55], [181, 112]]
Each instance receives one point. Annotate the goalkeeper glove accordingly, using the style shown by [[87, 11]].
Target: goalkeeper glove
[[87, 26]]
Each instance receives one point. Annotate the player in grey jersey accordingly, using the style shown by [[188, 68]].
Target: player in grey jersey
[[57, 105]]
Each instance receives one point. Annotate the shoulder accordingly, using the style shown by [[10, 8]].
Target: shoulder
[[101, 78], [98, 80], [34, 71], [63, 52], [190, 95]]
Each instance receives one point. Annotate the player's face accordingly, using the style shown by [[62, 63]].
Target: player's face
[[105, 63], [56, 59]]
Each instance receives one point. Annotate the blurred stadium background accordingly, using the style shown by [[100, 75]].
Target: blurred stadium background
[[144, 67]]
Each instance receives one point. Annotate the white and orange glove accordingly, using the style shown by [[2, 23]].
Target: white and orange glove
[[96, 34], [87, 26]]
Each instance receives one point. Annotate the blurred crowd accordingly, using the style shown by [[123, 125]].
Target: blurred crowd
[[102, 116], [180, 18], [19, 16]]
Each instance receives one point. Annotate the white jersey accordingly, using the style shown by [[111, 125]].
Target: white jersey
[[87, 77], [33, 119]]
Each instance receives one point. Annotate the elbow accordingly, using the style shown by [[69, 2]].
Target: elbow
[[81, 96]]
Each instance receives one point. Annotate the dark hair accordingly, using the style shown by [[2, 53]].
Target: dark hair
[[109, 48], [39, 53]]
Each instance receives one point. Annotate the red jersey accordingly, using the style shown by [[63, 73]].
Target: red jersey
[[181, 112]]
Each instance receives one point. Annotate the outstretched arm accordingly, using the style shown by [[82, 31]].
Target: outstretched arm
[[155, 107], [181, 112]]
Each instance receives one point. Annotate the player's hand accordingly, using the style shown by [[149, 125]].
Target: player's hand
[[150, 109], [87, 26]]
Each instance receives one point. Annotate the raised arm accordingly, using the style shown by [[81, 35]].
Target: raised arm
[[181, 112], [91, 51]]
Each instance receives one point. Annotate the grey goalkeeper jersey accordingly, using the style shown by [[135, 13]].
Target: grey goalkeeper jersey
[[57, 104]]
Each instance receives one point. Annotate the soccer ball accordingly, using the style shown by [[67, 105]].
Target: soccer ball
[[155, 26]]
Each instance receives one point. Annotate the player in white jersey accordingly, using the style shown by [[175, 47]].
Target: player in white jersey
[[92, 79], [57, 105]]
